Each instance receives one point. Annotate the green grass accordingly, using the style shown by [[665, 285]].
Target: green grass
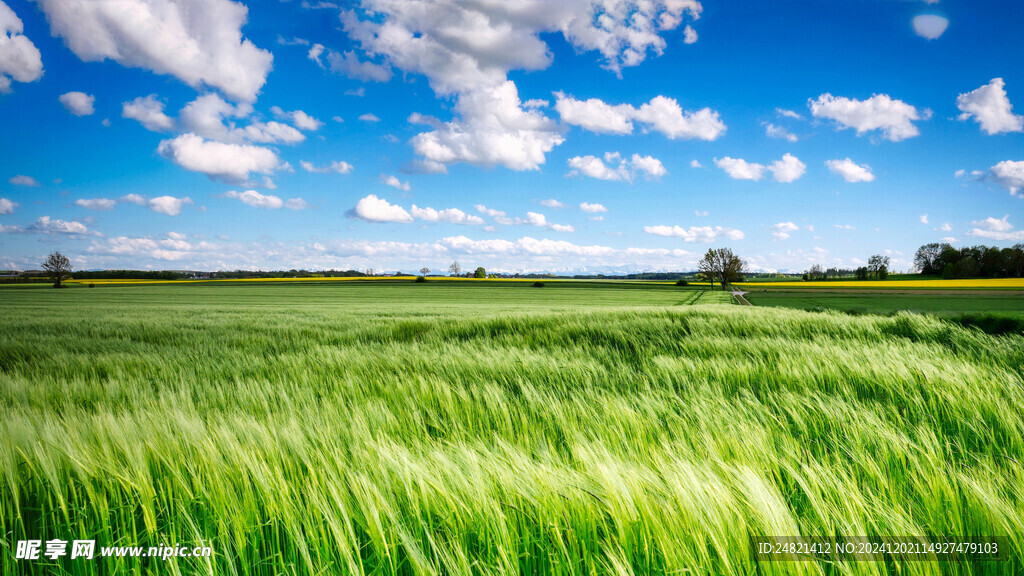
[[887, 303], [494, 429]]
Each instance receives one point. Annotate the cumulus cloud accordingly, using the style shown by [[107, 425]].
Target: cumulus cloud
[[1010, 175], [990, 107], [394, 182], [208, 116], [773, 131], [96, 203], [7, 206], [617, 167], [78, 103], [20, 60], [148, 111], [996, 229], [339, 166], [219, 160], [47, 225], [22, 180], [198, 41], [782, 230], [257, 200], [348, 64], [697, 234], [374, 209], [850, 170], [930, 26], [369, 117], [493, 129], [301, 120], [689, 35], [740, 169], [592, 208], [788, 169], [894, 118], [923, 218], [315, 51], [168, 205], [450, 215], [661, 114], [467, 49], [552, 203]]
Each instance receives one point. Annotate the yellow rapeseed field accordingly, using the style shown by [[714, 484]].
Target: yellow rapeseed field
[[1003, 283]]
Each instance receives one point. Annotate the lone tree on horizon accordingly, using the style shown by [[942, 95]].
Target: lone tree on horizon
[[455, 269], [424, 271], [57, 267], [721, 265]]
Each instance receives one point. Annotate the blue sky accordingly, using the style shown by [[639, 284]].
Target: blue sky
[[520, 135]]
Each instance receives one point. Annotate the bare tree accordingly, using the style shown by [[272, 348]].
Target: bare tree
[[455, 269], [424, 271], [57, 267], [721, 265]]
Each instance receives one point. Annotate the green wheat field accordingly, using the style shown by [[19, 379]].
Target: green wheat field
[[495, 428]]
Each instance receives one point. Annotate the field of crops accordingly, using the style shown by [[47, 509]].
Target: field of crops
[[932, 284], [950, 303], [487, 428]]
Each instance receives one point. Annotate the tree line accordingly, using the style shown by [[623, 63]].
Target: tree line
[[970, 262]]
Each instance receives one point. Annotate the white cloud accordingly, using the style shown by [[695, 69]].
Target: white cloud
[[661, 114], [22, 180], [348, 64], [946, 227], [394, 182], [198, 41], [782, 230], [315, 51], [340, 166], [739, 169], [923, 218], [592, 208], [494, 129], [46, 225], [990, 107], [149, 112], [78, 103], [698, 234], [773, 131], [301, 120], [595, 115], [552, 203], [368, 117], [788, 169], [782, 112], [374, 209], [843, 227], [996, 229], [689, 35], [163, 204], [700, 212], [219, 160], [96, 203], [850, 170], [880, 112], [1010, 175], [257, 200], [450, 215], [948, 240], [207, 116], [7, 206], [930, 26], [20, 60], [562, 227], [695, 164], [168, 204], [618, 168]]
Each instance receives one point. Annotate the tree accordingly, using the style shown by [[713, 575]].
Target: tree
[[455, 269], [480, 272], [876, 263], [57, 267], [424, 271], [720, 264], [861, 273], [927, 260], [816, 273]]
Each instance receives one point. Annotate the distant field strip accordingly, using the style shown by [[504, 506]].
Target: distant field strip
[[989, 283], [487, 429]]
